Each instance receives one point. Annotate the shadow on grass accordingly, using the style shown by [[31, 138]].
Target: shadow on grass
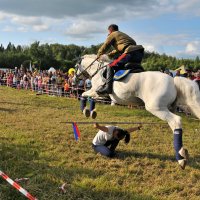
[[8, 110], [14, 103], [194, 162], [123, 154], [46, 177]]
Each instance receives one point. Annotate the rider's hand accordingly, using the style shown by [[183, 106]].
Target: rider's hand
[[99, 58]]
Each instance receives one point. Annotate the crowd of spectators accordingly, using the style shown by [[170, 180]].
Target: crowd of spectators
[[53, 83], [63, 84], [188, 73]]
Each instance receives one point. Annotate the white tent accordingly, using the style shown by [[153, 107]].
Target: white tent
[[51, 69]]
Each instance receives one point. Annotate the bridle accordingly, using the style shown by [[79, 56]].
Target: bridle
[[84, 72]]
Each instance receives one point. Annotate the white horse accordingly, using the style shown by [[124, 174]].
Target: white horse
[[157, 90]]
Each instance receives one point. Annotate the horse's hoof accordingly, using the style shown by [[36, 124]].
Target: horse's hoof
[[112, 103], [184, 153], [93, 114], [182, 163], [86, 112]]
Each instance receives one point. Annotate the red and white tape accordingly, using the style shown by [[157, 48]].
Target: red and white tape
[[17, 186]]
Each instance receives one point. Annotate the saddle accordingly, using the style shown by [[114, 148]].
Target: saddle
[[129, 68]]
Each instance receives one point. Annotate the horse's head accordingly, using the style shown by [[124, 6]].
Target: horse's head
[[80, 70], [89, 65], [85, 66]]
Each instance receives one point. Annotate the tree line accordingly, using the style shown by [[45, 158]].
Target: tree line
[[59, 56]]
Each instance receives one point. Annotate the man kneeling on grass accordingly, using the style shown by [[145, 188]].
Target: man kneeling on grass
[[108, 137]]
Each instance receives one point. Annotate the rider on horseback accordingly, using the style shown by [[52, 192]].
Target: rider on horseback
[[129, 52]]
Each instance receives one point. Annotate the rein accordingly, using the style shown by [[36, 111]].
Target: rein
[[85, 70], [85, 73], [98, 70]]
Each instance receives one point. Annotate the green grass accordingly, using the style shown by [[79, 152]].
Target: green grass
[[35, 144]]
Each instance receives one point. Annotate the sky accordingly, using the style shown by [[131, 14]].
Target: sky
[[163, 26]]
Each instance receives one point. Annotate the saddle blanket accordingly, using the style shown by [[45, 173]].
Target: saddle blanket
[[121, 74]]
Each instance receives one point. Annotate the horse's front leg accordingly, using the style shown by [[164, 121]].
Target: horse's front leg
[[90, 93]]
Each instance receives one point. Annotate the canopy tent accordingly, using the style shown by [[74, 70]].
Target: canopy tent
[[51, 69]]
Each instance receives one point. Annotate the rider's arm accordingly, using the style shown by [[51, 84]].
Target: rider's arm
[[107, 44], [112, 53], [134, 129], [102, 128]]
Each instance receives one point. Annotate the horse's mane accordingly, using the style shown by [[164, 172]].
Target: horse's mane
[[104, 57]]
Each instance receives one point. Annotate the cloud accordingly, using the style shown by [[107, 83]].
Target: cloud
[[25, 20], [3, 15], [191, 7], [85, 29], [8, 29], [150, 48], [22, 29], [84, 16], [25, 23], [193, 47], [88, 19], [190, 50], [161, 42], [41, 27], [184, 46], [96, 9], [66, 8]]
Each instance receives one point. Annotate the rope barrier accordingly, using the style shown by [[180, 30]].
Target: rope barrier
[[67, 94], [101, 122]]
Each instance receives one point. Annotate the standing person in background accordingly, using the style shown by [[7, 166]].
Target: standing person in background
[[197, 78], [88, 84], [178, 72], [25, 79], [66, 88], [72, 83], [14, 81], [60, 84], [167, 71], [18, 81], [53, 83], [80, 89], [108, 137]]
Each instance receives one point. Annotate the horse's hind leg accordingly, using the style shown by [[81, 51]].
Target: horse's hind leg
[[174, 122]]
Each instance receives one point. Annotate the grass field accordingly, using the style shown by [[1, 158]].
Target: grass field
[[35, 144]]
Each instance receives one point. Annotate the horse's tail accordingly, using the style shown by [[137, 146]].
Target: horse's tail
[[188, 95]]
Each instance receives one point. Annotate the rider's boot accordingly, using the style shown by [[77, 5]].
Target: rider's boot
[[181, 153], [107, 89]]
